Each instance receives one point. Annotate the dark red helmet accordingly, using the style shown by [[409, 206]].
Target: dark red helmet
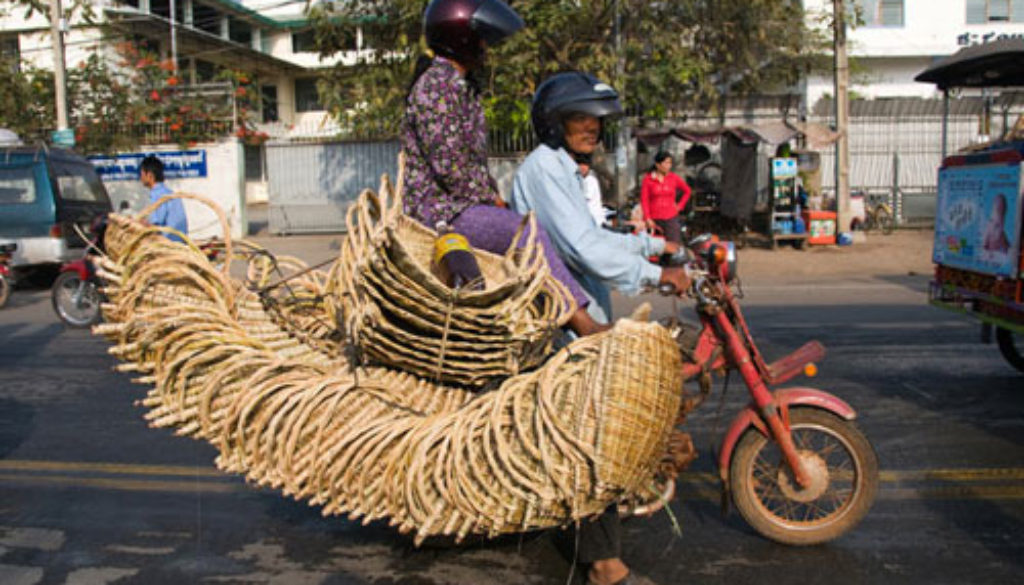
[[457, 28]]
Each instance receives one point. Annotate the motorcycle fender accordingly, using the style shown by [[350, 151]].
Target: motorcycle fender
[[79, 266], [785, 398]]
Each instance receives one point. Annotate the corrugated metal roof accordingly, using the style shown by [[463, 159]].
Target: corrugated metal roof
[[911, 107]]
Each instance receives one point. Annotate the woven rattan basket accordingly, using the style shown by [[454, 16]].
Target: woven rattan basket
[[401, 315], [287, 408]]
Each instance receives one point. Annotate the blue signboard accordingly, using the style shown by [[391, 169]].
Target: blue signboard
[[784, 168], [65, 138], [978, 218], [180, 164]]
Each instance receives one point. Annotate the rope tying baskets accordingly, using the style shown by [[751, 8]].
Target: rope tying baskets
[[562, 442], [401, 315]]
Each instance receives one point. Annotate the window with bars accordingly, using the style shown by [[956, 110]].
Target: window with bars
[[881, 12], [307, 97], [986, 11], [10, 52]]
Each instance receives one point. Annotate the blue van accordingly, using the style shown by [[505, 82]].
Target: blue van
[[44, 193]]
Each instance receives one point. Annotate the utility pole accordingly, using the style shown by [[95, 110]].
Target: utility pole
[[621, 148], [842, 112], [174, 37], [57, 26]]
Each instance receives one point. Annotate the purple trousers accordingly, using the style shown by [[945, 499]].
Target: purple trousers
[[492, 228]]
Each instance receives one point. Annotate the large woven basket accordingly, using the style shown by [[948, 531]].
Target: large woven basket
[[401, 315], [288, 409]]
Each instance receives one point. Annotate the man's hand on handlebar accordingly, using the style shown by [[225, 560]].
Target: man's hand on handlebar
[[674, 280], [671, 248]]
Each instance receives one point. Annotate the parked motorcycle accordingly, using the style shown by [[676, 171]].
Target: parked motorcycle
[[76, 295], [798, 469], [6, 276]]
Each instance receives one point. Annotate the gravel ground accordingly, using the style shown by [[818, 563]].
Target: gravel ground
[[903, 253]]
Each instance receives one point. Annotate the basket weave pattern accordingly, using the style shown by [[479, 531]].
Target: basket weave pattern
[[401, 315], [545, 448]]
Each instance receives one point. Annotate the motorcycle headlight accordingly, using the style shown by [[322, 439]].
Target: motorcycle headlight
[[722, 255]]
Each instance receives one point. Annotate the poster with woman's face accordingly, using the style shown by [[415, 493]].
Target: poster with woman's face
[[978, 218]]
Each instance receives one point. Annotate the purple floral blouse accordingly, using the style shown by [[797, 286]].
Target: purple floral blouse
[[445, 141]]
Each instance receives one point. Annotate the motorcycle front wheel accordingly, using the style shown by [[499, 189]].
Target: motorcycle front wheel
[[1008, 347], [76, 302], [885, 221], [844, 480]]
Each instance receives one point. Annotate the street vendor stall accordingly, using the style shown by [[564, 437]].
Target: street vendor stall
[[979, 213], [739, 192]]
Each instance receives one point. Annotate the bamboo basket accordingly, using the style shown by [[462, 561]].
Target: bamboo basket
[[401, 315], [291, 410]]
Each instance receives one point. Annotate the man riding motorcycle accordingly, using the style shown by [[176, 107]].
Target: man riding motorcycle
[[568, 112]]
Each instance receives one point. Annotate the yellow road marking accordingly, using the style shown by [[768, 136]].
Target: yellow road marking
[[974, 492], [112, 468], [938, 484], [133, 485], [886, 476], [982, 474]]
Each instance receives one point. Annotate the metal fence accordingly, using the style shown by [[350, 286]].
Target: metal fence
[[896, 147], [895, 151], [312, 184]]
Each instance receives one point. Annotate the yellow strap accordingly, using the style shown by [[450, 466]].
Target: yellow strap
[[448, 243]]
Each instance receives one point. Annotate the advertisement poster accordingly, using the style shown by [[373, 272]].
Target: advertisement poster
[[978, 218], [181, 164]]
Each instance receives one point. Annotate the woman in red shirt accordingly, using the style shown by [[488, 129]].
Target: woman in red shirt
[[658, 197]]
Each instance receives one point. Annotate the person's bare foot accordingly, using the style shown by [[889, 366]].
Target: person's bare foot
[[607, 572], [583, 324]]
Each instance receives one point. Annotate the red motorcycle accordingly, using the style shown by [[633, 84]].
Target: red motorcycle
[[798, 469], [76, 295], [6, 277]]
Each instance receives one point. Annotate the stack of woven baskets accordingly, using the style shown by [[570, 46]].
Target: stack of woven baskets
[[400, 314], [285, 406]]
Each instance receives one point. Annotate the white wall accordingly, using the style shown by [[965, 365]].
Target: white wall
[[930, 28], [224, 184], [34, 41], [890, 57]]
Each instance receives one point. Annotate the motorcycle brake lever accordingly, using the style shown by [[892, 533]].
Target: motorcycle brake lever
[[698, 291]]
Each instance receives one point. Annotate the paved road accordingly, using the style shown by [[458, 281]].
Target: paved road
[[89, 494]]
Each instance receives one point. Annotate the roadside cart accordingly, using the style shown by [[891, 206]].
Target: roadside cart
[[741, 193], [979, 262]]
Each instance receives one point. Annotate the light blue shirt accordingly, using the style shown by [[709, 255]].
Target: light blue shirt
[[170, 214], [549, 183]]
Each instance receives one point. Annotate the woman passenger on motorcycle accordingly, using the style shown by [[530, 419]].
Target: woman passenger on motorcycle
[[445, 138], [658, 197]]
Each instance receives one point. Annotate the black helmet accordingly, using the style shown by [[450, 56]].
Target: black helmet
[[569, 93], [454, 28]]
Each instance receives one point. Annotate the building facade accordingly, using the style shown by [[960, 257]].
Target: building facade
[[272, 41], [900, 38]]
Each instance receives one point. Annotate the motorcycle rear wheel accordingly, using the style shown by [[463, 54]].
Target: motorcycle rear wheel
[[5, 290], [1010, 350], [83, 311], [844, 471], [885, 221]]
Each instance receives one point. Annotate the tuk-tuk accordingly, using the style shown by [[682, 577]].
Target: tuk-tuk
[[979, 261]]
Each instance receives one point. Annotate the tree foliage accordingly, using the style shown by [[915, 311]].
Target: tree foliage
[[116, 105], [678, 54]]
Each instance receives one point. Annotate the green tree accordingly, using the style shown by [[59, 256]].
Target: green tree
[[136, 99], [675, 55], [26, 99]]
